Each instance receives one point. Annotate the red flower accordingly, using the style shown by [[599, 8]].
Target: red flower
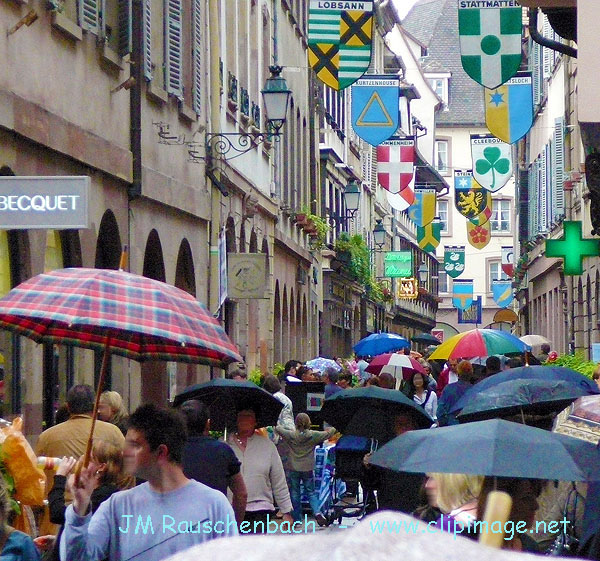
[[479, 234]]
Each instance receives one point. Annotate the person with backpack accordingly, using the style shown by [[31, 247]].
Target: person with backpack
[[420, 393]]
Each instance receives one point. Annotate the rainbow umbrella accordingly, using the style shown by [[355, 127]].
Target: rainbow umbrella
[[479, 342]]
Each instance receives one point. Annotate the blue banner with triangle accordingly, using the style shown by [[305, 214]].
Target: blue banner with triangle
[[375, 108]]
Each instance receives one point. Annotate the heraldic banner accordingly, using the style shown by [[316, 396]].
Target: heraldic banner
[[508, 260], [470, 199], [375, 108], [509, 108], [396, 163], [489, 35], [502, 292], [428, 237], [454, 260], [462, 293], [492, 162], [340, 35], [422, 211]]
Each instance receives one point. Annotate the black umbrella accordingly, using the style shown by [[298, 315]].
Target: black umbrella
[[495, 448], [536, 390], [370, 411], [426, 339], [226, 397]]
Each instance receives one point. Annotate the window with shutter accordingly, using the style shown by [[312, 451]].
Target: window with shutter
[[148, 39], [542, 223], [173, 50], [197, 55], [547, 54], [124, 27], [531, 196], [535, 70], [89, 15], [558, 165]]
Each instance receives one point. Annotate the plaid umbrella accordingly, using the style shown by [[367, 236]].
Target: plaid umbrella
[[145, 319]]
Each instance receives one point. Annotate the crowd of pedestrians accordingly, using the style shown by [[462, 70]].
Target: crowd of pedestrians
[[159, 482]]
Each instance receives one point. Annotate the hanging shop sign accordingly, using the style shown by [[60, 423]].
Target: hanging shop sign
[[52, 202], [397, 264], [408, 289], [247, 275]]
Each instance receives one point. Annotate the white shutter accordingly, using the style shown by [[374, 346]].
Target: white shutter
[[89, 15], [148, 39], [543, 224], [373, 176], [558, 165], [535, 70], [531, 196], [173, 50], [197, 55], [124, 27], [547, 54]]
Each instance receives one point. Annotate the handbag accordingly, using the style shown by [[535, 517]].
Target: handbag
[[566, 543]]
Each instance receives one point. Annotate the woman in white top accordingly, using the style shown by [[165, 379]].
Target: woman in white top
[[418, 389]]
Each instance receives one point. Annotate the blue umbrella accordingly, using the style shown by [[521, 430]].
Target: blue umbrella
[[495, 448], [530, 389], [379, 343]]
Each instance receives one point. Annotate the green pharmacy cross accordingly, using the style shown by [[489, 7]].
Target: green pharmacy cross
[[572, 247]]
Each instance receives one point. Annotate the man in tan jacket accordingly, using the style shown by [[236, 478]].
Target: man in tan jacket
[[70, 438]]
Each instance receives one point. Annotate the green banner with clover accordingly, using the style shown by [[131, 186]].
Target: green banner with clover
[[492, 162]]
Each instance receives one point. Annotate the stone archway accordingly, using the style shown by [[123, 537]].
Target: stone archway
[[154, 374], [108, 245]]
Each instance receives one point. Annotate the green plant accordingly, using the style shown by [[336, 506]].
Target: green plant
[[354, 253], [255, 375], [576, 362], [278, 368], [321, 227]]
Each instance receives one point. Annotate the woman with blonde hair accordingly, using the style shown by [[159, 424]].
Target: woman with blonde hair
[[110, 478], [111, 410], [457, 496]]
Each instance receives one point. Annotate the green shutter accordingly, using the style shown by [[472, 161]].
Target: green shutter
[[173, 48]]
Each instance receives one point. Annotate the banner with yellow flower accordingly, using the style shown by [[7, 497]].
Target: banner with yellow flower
[[478, 235]]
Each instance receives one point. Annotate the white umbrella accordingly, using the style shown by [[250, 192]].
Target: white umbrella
[[535, 340]]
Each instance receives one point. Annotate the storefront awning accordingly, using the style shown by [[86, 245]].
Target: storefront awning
[[427, 175]]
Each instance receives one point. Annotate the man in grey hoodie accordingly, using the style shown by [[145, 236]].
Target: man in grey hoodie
[[302, 443]]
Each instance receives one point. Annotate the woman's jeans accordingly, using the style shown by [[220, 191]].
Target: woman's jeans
[[307, 478]]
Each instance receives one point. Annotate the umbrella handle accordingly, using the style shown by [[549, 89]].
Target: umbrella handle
[[123, 260], [88, 449], [497, 509]]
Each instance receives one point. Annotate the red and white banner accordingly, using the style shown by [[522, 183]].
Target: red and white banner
[[396, 163]]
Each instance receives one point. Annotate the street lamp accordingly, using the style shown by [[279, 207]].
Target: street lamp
[[423, 273], [276, 97], [352, 198], [379, 234]]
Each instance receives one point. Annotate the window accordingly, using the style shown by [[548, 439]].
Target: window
[[443, 281], [441, 156], [495, 272], [439, 84], [500, 218], [442, 212]]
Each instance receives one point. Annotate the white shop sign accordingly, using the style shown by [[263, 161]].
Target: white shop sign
[[48, 202]]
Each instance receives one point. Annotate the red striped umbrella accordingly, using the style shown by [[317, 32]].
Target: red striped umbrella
[[145, 319], [396, 364]]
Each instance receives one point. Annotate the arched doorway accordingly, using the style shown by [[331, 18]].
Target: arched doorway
[[108, 246], [154, 374], [186, 280]]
